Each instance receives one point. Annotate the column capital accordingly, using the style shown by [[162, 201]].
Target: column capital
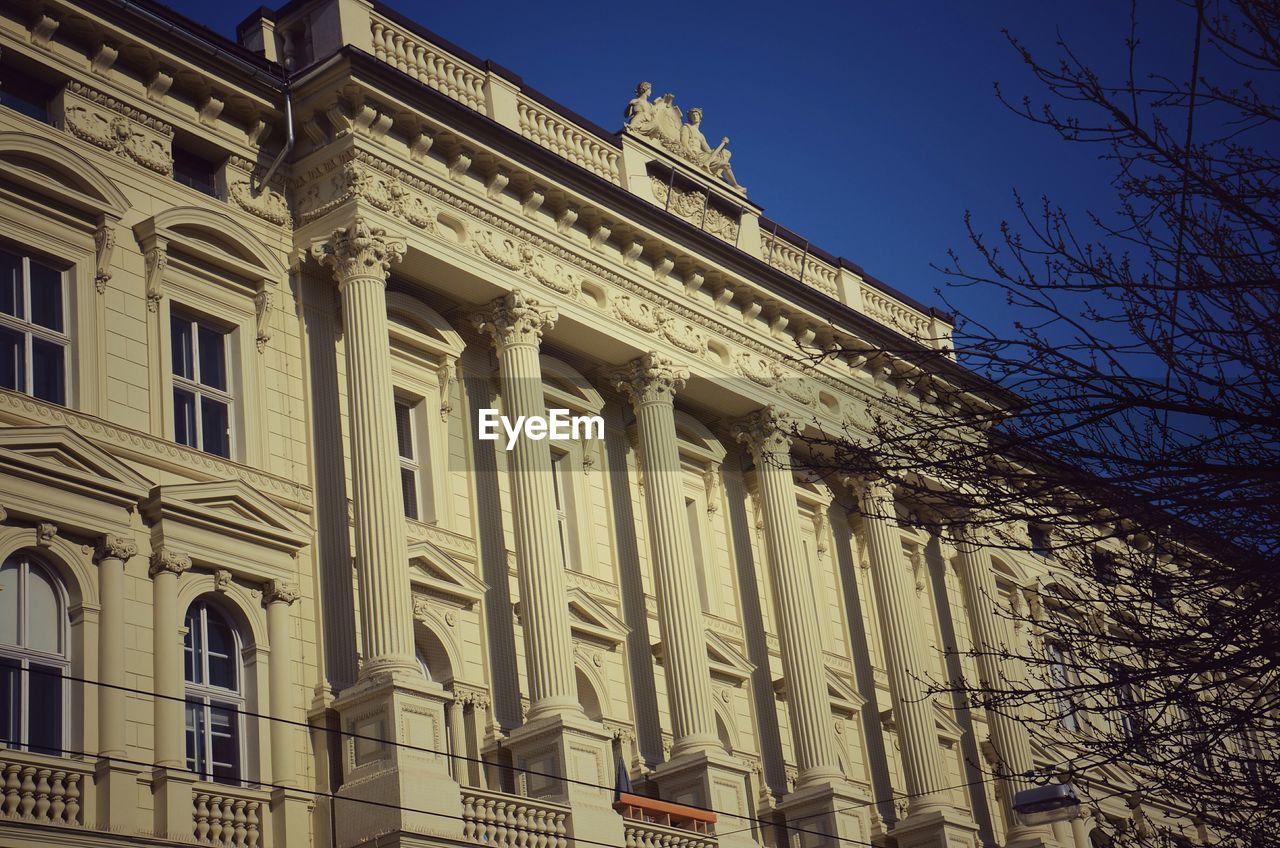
[[515, 319], [168, 560], [768, 430], [651, 378], [112, 546], [281, 592], [358, 250]]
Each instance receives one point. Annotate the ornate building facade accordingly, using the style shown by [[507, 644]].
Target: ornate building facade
[[263, 585]]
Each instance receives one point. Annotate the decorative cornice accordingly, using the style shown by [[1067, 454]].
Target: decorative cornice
[[109, 102], [651, 378], [112, 546], [167, 560], [515, 319]]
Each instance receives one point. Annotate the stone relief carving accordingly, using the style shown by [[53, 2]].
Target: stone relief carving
[[104, 243], [662, 121], [117, 128], [268, 205]]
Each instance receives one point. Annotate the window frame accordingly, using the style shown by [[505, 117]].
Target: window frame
[[195, 387], [1057, 657], [208, 697], [30, 331], [562, 485], [24, 655], [412, 464]]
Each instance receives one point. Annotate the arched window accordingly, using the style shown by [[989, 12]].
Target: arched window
[[215, 694], [33, 656]]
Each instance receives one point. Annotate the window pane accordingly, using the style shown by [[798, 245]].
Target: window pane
[[46, 296], [404, 430], [195, 736], [214, 435], [44, 712], [13, 362], [221, 650], [10, 703], [184, 418], [43, 613], [11, 284], [213, 358], [180, 340], [9, 603], [225, 744], [409, 492], [48, 371], [192, 646]]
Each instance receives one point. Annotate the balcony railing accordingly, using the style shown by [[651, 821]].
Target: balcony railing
[[227, 817], [494, 818], [650, 823], [42, 790]]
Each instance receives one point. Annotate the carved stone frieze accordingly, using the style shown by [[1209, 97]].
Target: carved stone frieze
[[551, 273], [107, 123], [267, 204]]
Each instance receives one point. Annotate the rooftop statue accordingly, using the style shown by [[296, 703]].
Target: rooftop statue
[[662, 121]]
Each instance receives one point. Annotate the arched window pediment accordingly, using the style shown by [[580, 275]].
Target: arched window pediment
[[206, 237], [58, 173]]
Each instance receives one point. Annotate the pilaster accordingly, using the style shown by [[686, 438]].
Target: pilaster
[[167, 565], [116, 781]]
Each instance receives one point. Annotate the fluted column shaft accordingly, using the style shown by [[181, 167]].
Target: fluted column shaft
[[170, 739], [516, 324], [768, 434], [458, 740], [112, 553], [279, 597], [1008, 735], [361, 257], [652, 383], [904, 651]]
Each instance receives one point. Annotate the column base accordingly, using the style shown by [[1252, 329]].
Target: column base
[[711, 779], [936, 828], [822, 812], [573, 747], [171, 793], [291, 815], [388, 789], [1022, 836], [116, 785]]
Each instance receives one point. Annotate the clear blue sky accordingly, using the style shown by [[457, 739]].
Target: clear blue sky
[[867, 127]]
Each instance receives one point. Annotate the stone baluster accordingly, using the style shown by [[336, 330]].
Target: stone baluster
[[767, 433], [651, 382], [361, 257], [516, 323]]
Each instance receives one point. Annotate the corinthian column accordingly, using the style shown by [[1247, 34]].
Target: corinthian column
[[652, 382], [361, 257], [112, 553], [768, 434], [1008, 736], [516, 323], [900, 625], [170, 741]]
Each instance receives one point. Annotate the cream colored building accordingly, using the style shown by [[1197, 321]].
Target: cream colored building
[[264, 586]]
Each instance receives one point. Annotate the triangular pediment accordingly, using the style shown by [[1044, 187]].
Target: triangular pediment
[[229, 506], [588, 617], [442, 575], [61, 458], [726, 660], [841, 693]]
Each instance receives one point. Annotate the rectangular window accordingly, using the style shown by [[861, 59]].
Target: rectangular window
[[34, 342], [31, 701], [195, 171], [1060, 679], [201, 391], [561, 482], [25, 94], [693, 522], [410, 467]]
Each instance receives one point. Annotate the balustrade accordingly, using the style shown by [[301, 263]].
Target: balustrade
[[493, 818]]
